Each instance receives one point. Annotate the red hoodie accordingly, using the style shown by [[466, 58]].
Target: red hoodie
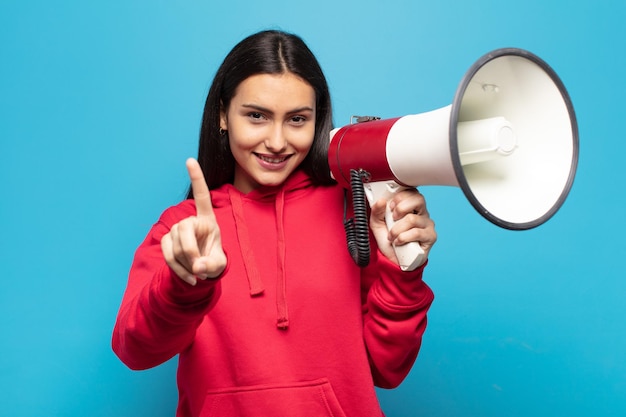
[[291, 329]]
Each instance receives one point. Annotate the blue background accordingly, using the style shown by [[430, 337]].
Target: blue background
[[100, 104]]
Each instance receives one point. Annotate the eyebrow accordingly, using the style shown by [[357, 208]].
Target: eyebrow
[[266, 110]]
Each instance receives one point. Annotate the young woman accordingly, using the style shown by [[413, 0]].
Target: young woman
[[249, 280]]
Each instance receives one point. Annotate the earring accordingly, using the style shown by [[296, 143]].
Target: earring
[[222, 132]]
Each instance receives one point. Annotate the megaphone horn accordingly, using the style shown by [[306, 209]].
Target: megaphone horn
[[509, 140]]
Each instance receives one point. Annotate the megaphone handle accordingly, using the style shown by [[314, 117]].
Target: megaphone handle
[[410, 255]]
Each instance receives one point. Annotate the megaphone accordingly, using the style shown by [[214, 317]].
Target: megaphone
[[509, 140]]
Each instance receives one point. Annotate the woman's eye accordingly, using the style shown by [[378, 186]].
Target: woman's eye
[[255, 116], [298, 119]]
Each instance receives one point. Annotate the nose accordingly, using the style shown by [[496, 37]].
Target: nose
[[276, 140]]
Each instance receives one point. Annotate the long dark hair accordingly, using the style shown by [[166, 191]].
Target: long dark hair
[[266, 52]]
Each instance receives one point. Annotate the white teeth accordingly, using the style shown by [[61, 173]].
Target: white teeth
[[272, 160]]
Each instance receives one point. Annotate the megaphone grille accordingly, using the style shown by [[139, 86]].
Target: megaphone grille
[[526, 188]]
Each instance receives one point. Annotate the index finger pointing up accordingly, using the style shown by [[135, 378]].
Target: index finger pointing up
[[201, 194]]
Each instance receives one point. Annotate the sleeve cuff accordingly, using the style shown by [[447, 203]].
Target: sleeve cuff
[[178, 292], [401, 289]]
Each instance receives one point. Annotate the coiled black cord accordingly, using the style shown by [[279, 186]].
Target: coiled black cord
[[357, 230]]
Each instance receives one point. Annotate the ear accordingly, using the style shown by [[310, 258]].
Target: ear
[[223, 118]]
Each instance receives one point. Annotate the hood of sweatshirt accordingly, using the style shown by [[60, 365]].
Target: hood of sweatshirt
[[229, 196]]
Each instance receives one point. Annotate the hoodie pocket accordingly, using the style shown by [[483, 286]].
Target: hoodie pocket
[[304, 399]]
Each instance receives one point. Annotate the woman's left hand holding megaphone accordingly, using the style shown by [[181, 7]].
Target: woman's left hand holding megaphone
[[410, 224]]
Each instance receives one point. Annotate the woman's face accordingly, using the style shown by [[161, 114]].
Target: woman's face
[[271, 126]]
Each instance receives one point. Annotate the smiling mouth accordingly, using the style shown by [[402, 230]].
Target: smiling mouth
[[273, 159]]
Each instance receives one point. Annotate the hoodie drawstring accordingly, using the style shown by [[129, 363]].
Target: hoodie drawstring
[[253, 274], [281, 287]]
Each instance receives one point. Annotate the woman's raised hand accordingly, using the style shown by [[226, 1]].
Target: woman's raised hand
[[193, 247]]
